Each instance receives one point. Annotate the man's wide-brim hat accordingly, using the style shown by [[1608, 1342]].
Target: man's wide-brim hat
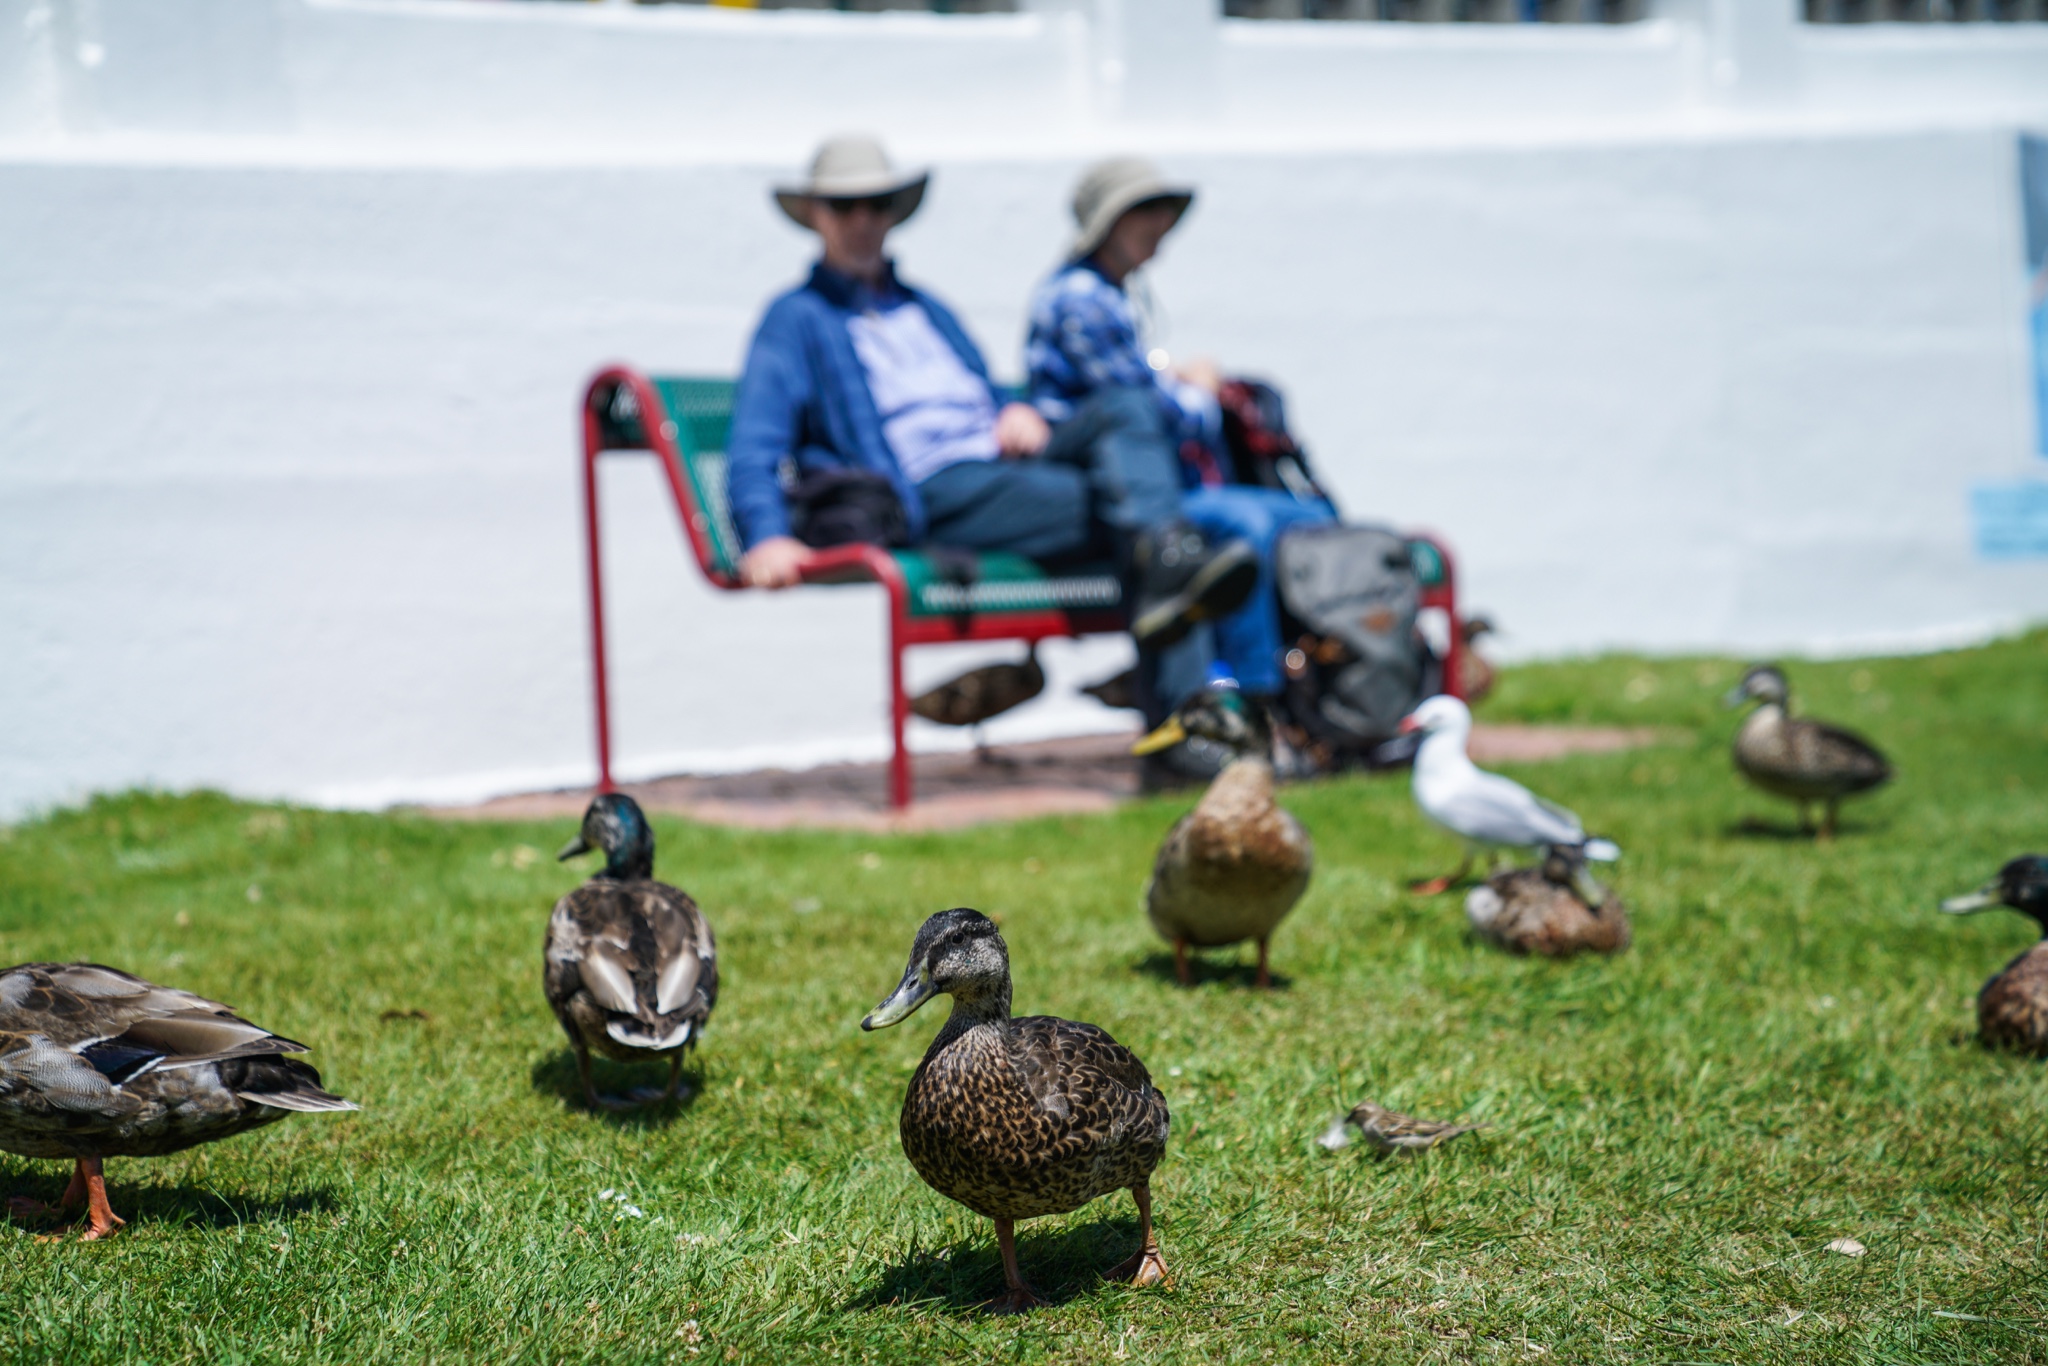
[[1110, 189], [854, 167]]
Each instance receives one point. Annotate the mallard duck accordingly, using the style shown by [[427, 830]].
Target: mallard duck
[[1556, 909], [981, 694], [98, 1063], [1390, 1130], [1484, 809], [1232, 868], [631, 968], [1799, 758], [1017, 1118], [1476, 674], [2012, 1009]]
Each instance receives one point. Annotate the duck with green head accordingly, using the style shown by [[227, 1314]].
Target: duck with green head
[[2012, 1009], [1021, 1117], [1231, 869], [630, 966]]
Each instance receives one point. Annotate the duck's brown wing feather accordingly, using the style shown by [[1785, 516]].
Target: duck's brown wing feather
[[1079, 1074], [1842, 752]]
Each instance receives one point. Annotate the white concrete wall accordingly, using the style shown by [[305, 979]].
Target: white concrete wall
[[289, 367]]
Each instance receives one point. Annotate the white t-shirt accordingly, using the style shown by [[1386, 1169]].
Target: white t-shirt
[[935, 411]]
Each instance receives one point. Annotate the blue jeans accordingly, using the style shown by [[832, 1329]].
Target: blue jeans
[[1248, 640]]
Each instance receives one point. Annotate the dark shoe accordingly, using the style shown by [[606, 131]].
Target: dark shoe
[[1179, 579], [1194, 762]]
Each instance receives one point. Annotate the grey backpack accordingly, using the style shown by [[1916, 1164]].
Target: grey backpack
[[1359, 664]]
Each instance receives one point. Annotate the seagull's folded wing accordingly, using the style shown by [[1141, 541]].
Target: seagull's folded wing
[[1497, 810]]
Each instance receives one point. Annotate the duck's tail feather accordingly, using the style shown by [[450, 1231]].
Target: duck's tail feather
[[636, 1033], [307, 1099]]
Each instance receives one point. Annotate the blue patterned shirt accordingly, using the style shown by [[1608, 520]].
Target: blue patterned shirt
[[1084, 337]]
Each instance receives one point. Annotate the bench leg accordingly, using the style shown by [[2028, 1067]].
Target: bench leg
[[899, 715]]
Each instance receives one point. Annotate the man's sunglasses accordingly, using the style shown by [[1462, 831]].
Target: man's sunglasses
[[881, 205]]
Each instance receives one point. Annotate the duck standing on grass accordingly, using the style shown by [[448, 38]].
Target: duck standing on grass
[[2012, 1009], [1484, 809], [1017, 1118], [1555, 909], [1799, 758], [630, 966], [1231, 869], [96, 1063]]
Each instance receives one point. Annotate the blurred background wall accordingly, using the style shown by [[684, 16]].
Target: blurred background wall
[[1698, 331]]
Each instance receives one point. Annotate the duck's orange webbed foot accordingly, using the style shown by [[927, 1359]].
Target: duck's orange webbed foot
[[1146, 1266], [1433, 887], [1015, 1301]]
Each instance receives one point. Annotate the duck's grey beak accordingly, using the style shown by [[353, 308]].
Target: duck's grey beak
[[1983, 899], [579, 845], [913, 991], [1736, 696]]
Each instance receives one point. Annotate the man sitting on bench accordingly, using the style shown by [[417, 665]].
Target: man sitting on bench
[[855, 370]]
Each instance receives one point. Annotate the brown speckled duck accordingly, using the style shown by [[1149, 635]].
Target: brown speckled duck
[[2012, 1009], [984, 693], [1799, 758], [630, 966], [1555, 909], [97, 1063], [1021, 1117], [1231, 869]]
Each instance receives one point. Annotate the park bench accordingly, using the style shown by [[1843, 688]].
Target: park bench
[[683, 421]]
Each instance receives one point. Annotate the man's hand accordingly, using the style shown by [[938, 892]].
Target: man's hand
[[1021, 431], [1203, 373], [774, 563]]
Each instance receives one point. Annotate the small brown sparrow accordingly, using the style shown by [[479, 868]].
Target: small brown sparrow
[[1387, 1130]]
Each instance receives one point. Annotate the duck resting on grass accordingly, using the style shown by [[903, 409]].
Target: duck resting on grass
[[1021, 1117], [1231, 869], [1488, 812], [1799, 758], [1389, 1130], [630, 966], [1555, 909], [2012, 1009], [97, 1063]]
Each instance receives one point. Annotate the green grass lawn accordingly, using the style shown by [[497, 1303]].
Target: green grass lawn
[[1783, 1059]]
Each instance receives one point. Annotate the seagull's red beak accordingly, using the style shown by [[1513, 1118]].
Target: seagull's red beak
[[1409, 725]]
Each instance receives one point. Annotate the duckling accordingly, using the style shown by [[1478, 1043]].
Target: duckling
[[2012, 1009], [1556, 909], [1231, 869], [1476, 674], [1484, 809], [1797, 757], [630, 966], [1390, 1130], [981, 694], [1017, 1118], [98, 1063]]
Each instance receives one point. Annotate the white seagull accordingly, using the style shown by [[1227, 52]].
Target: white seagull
[[1484, 809]]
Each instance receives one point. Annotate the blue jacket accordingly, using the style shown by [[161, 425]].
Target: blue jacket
[[804, 396]]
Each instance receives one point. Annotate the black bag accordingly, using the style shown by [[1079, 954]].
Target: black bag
[[843, 506], [1264, 452], [1359, 664]]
